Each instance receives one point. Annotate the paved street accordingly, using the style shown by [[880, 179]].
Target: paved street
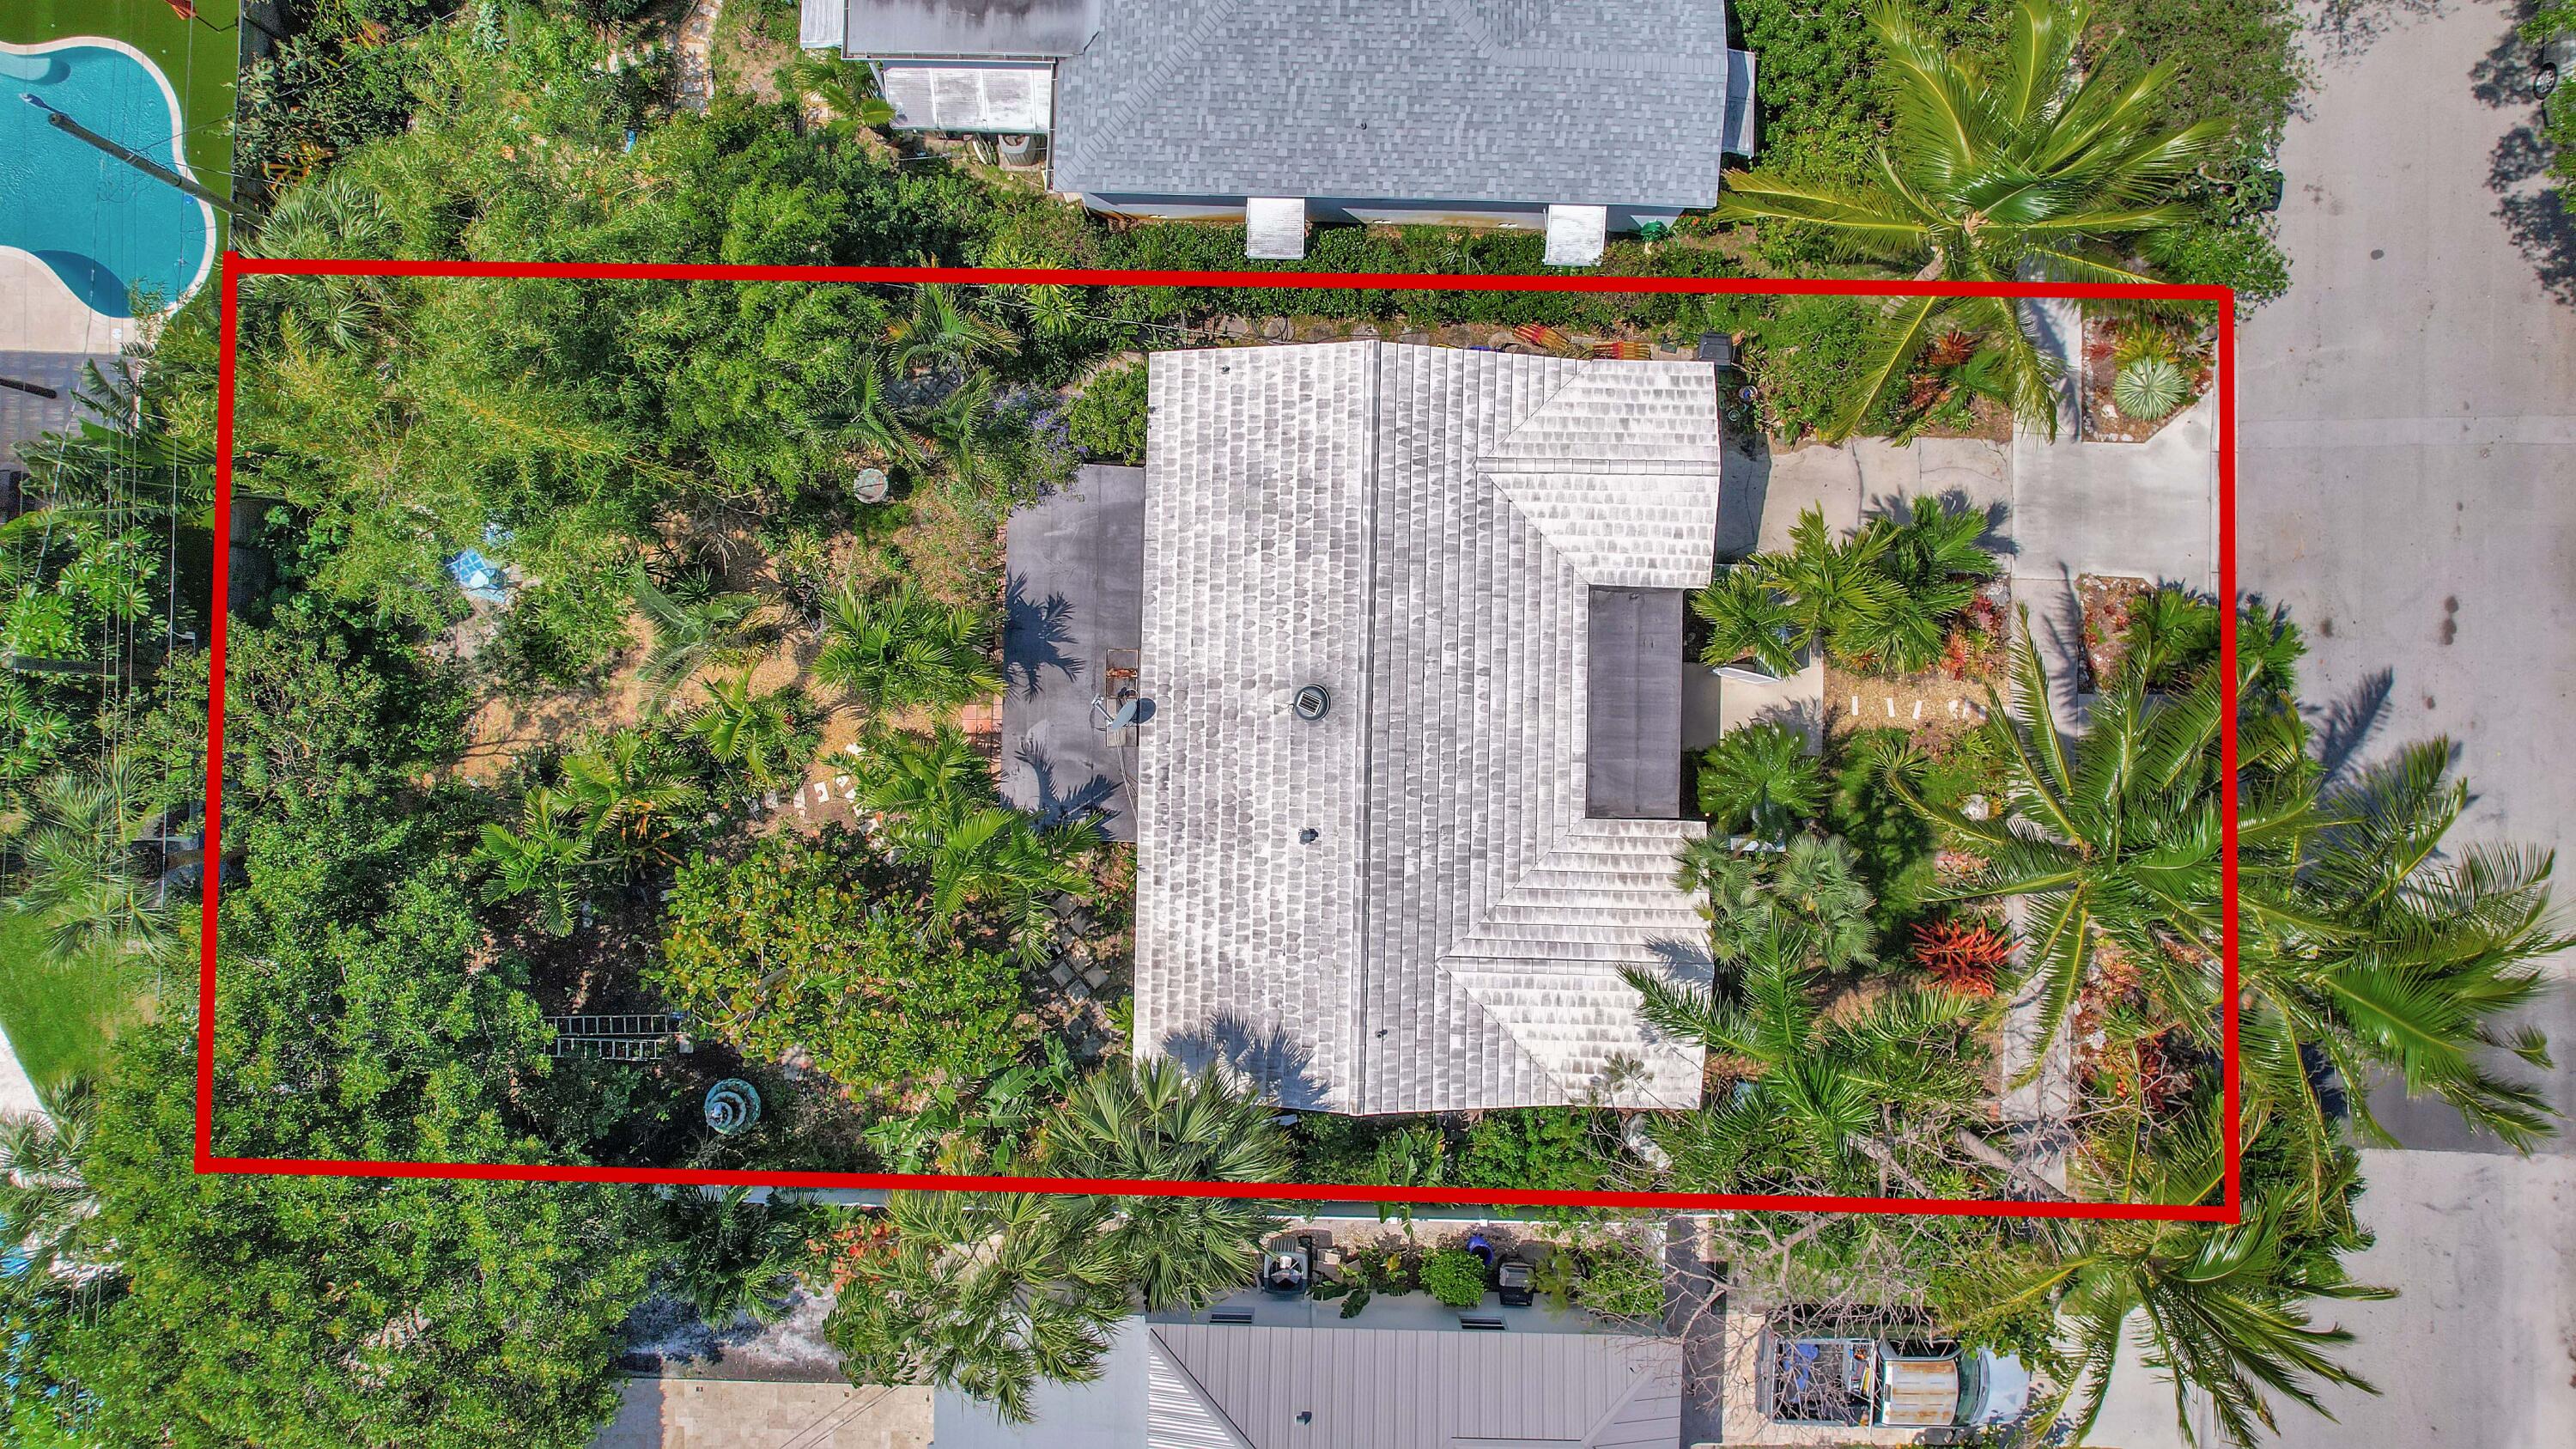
[[2409, 489]]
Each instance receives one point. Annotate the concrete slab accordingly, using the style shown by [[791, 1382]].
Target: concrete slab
[[39, 314], [1815, 476], [722, 1414], [1075, 566], [2146, 508]]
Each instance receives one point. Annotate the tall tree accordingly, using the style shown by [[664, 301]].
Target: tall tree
[[1160, 1123], [79, 861], [2029, 168], [901, 648]]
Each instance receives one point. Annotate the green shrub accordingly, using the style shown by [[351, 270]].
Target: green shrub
[[560, 634], [1549, 1147], [802, 945], [1808, 358], [1107, 421], [1455, 1276], [2206, 252]]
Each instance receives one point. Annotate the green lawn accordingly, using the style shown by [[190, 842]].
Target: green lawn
[[200, 60], [60, 1017]]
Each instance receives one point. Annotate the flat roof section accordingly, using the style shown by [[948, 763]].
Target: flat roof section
[[1633, 749], [970, 29], [1075, 567]]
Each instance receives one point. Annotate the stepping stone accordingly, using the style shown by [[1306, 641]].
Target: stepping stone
[[1059, 975], [1095, 978]]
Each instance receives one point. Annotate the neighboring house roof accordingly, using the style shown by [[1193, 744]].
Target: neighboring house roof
[[1421, 532], [1616, 102], [967, 29], [1228, 1386]]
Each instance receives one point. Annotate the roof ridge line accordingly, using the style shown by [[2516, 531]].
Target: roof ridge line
[[1364, 857]]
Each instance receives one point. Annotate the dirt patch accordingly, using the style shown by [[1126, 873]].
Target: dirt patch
[[1936, 709], [744, 57], [2106, 603]]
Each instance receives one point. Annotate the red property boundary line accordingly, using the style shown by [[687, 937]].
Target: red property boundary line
[[235, 267]]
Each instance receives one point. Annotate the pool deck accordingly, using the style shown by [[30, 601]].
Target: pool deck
[[39, 314]]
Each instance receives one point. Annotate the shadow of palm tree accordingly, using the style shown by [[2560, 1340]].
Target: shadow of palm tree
[[1281, 1064], [1035, 636]]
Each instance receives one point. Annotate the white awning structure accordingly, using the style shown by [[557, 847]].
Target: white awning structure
[[1006, 99], [1740, 114], [1274, 228], [1576, 235], [820, 24]]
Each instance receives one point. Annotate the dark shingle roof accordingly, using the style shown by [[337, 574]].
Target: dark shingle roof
[[1616, 102]]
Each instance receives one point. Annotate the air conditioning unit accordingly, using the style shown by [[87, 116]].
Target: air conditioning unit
[[1024, 150]]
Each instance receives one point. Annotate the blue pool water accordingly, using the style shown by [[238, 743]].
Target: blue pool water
[[103, 227]]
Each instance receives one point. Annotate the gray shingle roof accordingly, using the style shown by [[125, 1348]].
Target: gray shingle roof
[[1616, 102], [1417, 530]]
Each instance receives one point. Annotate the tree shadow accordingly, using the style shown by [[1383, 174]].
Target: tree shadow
[[1282, 1065], [2343, 29], [2344, 726], [2534, 211], [1035, 636], [1091, 801]]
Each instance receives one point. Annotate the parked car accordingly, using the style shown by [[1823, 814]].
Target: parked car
[[2551, 62]]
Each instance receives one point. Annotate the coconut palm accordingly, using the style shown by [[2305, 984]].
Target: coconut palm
[[2426, 953], [847, 87], [692, 632], [2024, 168], [547, 858], [77, 865], [903, 648], [1812, 1086], [761, 735], [919, 786], [943, 333], [630, 794], [983, 1293], [1160, 1123], [1760, 779]]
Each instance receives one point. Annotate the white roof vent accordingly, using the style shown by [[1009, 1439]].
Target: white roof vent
[[1274, 228]]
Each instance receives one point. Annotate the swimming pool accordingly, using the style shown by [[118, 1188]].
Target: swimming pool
[[101, 226]]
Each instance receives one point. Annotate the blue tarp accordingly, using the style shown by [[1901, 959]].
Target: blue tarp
[[479, 577]]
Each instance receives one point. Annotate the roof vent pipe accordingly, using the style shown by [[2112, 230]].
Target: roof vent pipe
[[1311, 703]]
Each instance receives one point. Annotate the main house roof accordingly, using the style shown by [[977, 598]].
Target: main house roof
[[1605, 102], [1420, 532]]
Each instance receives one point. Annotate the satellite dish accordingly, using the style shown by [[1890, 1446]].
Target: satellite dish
[[870, 486]]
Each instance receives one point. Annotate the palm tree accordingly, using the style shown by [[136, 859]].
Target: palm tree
[[732, 1258], [1812, 1087], [2425, 954], [1936, 567], [77, 866], [547, 857], [2112, 839], [1747, 619], [690, 634], [1160, 1123], [629, 793], [866, 416], [45, 1200], [1811, 881], [2220, 1311], [761, 735], [1992, 174], [999, 862], [985, 1294], [921, 787], [1829, 591], [1760, 778], [943, 333], [904, 649], [847, 87]]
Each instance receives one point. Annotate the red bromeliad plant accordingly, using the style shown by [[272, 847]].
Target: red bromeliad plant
[[1962, 954]]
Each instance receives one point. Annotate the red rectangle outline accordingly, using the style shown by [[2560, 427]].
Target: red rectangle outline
[[236, 266]]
